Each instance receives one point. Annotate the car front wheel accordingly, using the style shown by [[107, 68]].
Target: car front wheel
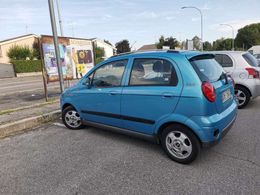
[[71, 118], [180, 144]]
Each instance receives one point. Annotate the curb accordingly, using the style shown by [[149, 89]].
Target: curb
[[27, 123], [7, 111]]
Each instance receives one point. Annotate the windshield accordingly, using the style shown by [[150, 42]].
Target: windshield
[[250, 59], [207, 68]]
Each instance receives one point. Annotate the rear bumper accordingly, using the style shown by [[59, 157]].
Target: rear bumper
[[254, 86], [211, 129], [222, 135]]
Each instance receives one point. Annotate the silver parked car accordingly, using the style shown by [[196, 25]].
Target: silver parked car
[[243, 68], [257, 56]]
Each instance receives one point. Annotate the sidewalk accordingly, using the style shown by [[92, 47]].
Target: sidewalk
[[23, 105], [17, 120]]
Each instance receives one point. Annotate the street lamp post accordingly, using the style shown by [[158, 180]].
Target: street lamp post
[[56, 43], [201, 23], [233, 39], [59, 17]]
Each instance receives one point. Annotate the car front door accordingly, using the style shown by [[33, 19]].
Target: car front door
[[153, 90], [100, 98]]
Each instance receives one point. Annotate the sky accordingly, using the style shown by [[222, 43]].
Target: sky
[[139, 21]]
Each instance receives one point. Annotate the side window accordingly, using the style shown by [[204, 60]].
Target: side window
[[219, 58], [227, 61], [224, 60], [109, 75], [153, 72]]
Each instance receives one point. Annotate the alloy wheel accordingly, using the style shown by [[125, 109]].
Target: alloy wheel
[[241, 97]]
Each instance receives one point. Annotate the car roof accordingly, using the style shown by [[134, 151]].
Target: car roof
[[185, 53], [228, 52]]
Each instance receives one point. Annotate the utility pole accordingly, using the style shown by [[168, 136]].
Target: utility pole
[[201, 23], [132, 45], [56, 43], [233, 38], [59, 17]]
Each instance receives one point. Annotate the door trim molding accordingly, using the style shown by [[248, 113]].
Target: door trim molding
[[118, 116], [147, 137]]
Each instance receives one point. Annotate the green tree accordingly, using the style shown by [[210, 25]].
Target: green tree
[[169, 41], [17, 52], [222, 44], [35, 52], [123, 46], [99, 54], [207, 46], [248, 36]]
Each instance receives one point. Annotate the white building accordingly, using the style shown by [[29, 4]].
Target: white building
[[110, 50]]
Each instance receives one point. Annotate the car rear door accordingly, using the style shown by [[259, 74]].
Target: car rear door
[[153, 89], [208, 69]]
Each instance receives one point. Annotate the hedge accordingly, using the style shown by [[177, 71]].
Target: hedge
[[24, 66]]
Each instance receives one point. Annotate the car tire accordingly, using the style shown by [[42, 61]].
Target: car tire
[[180, 144], [243, 96], [71, 118]]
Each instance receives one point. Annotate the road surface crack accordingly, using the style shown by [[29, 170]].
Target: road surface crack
[[237, 158]]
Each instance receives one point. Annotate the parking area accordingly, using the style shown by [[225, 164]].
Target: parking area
[[54, 160]]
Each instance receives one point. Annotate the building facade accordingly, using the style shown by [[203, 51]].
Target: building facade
[[5, 45], [108, 49]]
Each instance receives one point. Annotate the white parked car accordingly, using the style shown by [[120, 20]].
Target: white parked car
[[257, 56], [244, 69]]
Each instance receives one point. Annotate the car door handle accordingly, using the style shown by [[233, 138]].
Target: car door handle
[[114, 92], [167, 95]]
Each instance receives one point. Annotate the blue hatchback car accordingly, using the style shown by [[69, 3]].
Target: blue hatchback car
[[180, 99]]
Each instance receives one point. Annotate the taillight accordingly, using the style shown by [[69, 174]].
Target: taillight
[[208, 91], [252, 73]]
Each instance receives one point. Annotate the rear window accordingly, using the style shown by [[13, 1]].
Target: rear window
[[207, 68], [250, 59], [257, 56]]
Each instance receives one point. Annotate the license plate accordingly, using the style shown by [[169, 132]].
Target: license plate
[[226, 95]]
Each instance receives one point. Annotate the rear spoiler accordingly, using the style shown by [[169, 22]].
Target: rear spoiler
[[201, 57]]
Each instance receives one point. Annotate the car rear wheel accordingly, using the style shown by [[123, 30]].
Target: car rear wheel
[[242, 95], [180, 144], [71, 118]]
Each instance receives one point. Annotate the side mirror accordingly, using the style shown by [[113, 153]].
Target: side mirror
[[87, 82]]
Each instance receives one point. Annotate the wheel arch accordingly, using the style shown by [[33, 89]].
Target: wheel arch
[[67, 105], [240, 85], [163, 126]]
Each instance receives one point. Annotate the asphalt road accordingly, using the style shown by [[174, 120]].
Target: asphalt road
[[19, 92], [54, 160], [24, 84]]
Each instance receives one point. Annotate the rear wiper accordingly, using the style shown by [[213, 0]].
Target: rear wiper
[[223, 76]]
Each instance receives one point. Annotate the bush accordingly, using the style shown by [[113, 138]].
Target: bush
[[98, 60], [17, 52], [99, 54], [24, 66]]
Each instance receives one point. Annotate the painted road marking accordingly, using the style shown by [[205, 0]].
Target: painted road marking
[[59, 124]]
